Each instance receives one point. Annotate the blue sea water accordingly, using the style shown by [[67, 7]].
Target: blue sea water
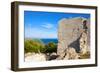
[[46, 41]]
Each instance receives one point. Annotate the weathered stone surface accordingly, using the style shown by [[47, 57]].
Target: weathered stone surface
[[84, 48], [71, 54], [69, 34]]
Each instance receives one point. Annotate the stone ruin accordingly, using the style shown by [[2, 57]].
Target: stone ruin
[[73, 37]]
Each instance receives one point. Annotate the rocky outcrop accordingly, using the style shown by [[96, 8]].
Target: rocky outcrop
[[84, 47], [71, 54], [73, 37]]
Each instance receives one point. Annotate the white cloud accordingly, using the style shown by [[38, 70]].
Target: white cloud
[[47, 25], [38, 33]]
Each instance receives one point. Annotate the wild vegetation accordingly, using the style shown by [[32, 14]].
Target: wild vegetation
[[38, 46]]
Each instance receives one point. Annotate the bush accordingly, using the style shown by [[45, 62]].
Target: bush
[[34, 46], [37, 46], [51, 47]]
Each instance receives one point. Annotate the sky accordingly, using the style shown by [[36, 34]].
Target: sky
[[44, 24]]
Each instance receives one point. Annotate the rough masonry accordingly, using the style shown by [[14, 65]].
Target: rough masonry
[[73, 37]]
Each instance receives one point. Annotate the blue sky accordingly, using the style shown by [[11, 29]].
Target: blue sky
[[44, 24]]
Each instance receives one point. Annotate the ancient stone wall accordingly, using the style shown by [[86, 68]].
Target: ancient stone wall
[[69, 34]]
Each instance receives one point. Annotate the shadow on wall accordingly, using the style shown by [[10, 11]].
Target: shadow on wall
[[75, 44]]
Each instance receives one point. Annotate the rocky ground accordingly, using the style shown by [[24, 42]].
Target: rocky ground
[[70, 54], [35, 57], [40, 57]]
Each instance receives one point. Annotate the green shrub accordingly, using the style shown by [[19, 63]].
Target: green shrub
[[51, 47], [34, 46]]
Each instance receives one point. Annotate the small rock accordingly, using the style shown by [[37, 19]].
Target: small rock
[[71, 54], [53, 56]]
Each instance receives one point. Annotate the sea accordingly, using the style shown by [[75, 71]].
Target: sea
[[46, 41]]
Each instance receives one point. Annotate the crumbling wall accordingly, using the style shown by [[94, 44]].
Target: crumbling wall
[[70, 31]]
